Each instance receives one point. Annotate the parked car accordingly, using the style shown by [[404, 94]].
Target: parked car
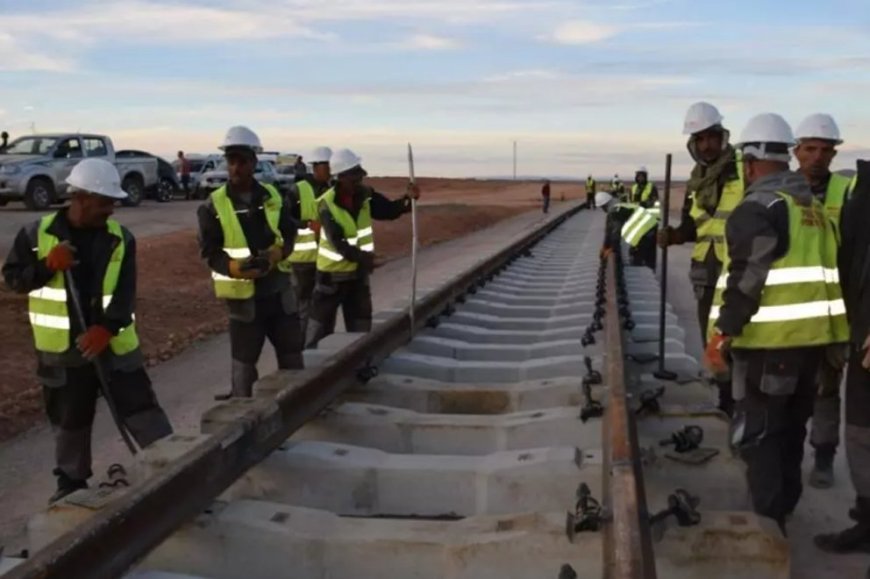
[[34, 168], [199, 165], [265, 173], [168, 183]]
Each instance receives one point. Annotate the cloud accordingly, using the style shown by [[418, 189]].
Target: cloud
[[432, 42], [583, 32], [18, 56]]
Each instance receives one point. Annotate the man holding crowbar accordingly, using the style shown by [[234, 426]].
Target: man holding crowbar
[[78, 268]]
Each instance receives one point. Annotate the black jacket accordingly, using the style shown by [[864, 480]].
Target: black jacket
[[258, 234], [854, 258], [24, 272], [382, 208]]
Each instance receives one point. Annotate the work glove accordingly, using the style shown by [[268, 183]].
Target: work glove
[[836, 356], [251, 268], [61, 257], [94, 341], [667, 236], [865, 362], [413, 191], [367, 262], [604, 253], [275, 255], [315, 227], [716, 354]]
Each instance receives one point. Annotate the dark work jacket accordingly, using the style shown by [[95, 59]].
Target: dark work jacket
[[382, 208], [259, 236], [24, 272], [854, 258]]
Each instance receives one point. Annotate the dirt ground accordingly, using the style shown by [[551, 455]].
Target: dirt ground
[[176, 306]]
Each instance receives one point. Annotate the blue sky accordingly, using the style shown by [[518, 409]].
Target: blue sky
[[583, 86]]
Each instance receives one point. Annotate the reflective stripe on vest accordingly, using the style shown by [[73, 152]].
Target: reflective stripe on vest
[[638, 225], [644, 195], [305, 246], [235, 243], [47, 306], [358, 233], [801, 303], [711, 228]]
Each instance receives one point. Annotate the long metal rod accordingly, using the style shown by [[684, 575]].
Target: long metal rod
[[99, 368], [628, 552], [414, 238], [662, 373], [128, 528]]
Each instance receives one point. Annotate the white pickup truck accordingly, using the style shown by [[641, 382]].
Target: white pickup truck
[[34, 169]]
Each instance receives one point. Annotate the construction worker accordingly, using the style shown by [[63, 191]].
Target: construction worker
[[639, 232], [714, 189], [302, 200], [591, 186], [617, 189], [100, 256], [643, 192], [855, 279], [346, 255], [777, 307], [817, 139], [246, 233], [545, 196], [4, 141]]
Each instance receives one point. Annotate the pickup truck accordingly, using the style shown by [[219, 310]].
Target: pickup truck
[[34, 168]]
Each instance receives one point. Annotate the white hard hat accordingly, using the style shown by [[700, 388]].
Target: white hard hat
[[96, 176], [344, 160], [763, 130], [819, 126], [700, 117], [603, 199], [240, 136], [320, 155], [641, 170]]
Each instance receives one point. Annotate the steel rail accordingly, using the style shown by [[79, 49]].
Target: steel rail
[[130, 526], [628, 552]]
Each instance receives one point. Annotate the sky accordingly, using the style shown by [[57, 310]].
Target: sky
[[582, 86]]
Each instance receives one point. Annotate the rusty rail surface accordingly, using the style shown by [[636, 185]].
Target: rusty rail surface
[[628, 552], [128, 528]]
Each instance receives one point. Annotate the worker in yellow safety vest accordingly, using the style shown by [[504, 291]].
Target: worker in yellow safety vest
[[778, 306], [246, 235], [817, 139], [643, 192], [714, 189], [99, 256], [302, 199], [346, 250]]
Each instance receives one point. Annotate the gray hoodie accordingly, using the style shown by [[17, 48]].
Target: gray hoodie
[[758, 234]]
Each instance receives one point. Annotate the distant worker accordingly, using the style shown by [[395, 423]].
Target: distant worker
[[346, 256], [714, 189], [4, 141], [302, 200], [246, 234], [100, 255], [643, 192], [617, 189], [817, 139], [545, 194], [591, 187], [299, 169], [776, 310], [184, 171], [855, 278]]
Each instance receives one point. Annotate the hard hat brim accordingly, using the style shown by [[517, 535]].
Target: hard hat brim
[[110, 192]]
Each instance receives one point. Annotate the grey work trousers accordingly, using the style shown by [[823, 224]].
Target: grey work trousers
[[304, 278], [353, 296], [775, 391], [858, 423], [71, 401]]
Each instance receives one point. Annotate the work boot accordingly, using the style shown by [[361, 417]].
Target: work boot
[[855, 538], [822, 475], [66, 486]]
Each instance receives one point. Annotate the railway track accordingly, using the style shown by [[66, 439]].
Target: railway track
[[517, 432]]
